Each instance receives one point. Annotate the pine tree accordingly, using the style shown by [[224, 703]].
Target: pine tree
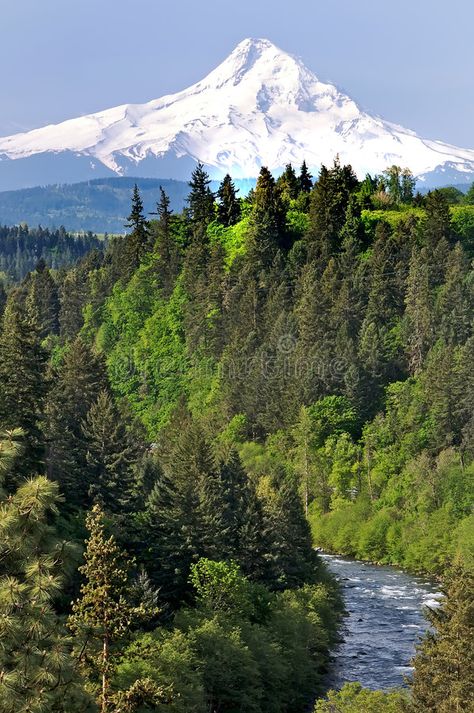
[[437, 233], [407, 188], [110, 455], [37, 669], [43, 300], [291, 560], [173, 524], [73, 295], [267, 223], [454, 306], [418, 318], [288, 184], [443, 678], [138, 242], [305, 179], [168, 263], [437, 224], [79, 380], [200, 199], [22, 383], [328, 206], [101, 618], [228, 211]]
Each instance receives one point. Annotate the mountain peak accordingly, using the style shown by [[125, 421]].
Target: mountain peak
[[255, 55], [260, 106]]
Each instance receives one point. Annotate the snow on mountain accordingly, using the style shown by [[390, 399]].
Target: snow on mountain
[[261, 106]]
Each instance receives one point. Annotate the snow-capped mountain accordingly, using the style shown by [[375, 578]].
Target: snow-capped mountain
[[261, 106]]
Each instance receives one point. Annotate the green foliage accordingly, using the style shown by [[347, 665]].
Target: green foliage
[[443, 680], [38, 672], [23, 383], [352, 698], [231, 657], [102, 617]]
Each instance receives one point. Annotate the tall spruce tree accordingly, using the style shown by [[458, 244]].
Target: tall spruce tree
[[79, 380], [200, 199], [418, 319], [168, 263], [267, 223], [329, 200], [305, 179], [228, 210], [288, 184], [22, 383], [3, 299], [43, 299], [110, 456], [138, 241]]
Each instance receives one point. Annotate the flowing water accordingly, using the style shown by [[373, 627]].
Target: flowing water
[[385, 620]]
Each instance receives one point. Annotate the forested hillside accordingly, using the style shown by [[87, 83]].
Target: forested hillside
[[22, 247], [174, 407]]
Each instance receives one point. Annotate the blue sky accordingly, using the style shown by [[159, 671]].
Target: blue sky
[[409, 60]]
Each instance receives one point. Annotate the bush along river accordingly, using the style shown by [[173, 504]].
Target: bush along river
[[384, 622]]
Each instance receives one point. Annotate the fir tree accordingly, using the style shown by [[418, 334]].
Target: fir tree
[[43, 300], [266, 231], [228, 211], [78, 382], [419, 311], [305, 179], [200, 199], [22, 383], [328, 205], [138, 242], [288, 184], [168, 263], [110, 454], [72, 298], [443, 679], [3, 299], [455, 300]]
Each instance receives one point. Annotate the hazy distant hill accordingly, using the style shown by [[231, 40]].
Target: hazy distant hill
[[101, 205]]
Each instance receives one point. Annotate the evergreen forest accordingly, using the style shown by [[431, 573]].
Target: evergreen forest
[[187, 411]]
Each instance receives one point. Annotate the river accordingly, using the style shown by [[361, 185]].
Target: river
[[385, 607]]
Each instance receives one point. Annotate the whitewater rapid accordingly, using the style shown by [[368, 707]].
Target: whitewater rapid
[[385, 620]]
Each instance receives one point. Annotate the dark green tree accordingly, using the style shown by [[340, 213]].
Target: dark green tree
[[305, 179], [138, 241], [169, 258], [228, 210], [200, 199], [79, 380], [110, 456], [288, 184], [23, 383], [267, 223], [328, 206], [418, 318], [43, 300]]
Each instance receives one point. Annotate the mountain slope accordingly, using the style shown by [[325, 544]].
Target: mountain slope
[[261, 106]]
